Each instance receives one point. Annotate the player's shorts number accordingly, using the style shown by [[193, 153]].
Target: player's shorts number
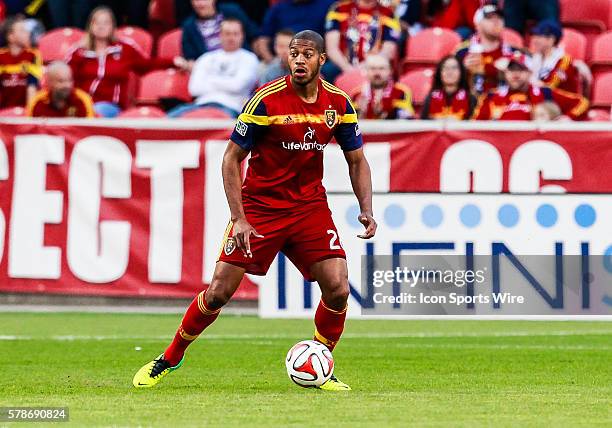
[[333, 240]]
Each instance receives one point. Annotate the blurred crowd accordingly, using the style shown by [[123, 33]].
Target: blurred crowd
[[229, 48]]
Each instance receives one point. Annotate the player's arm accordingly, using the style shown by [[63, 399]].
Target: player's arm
[[348, 136], [361, 180]]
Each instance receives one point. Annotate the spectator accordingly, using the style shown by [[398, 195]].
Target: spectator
[[546, 111], [356, 28], [296, 15], [70, 13], [450, 96], [20, 65], [201, 30], [61, 98], [551, 66], [456, 15], [409, 14], [254, 9], [480, 53], [516, 101], [380, 97], [519, 11], [223, 78], [102, 64], [279, 66]]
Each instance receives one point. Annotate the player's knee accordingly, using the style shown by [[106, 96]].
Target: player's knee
[[338, 294], [217, 295]]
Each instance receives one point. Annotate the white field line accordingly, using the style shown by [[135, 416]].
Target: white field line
[[421, 335]]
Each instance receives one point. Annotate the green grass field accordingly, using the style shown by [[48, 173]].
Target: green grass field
[[404, 373]]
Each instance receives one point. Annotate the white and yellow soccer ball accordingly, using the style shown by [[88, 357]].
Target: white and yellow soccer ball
[[309, 364]]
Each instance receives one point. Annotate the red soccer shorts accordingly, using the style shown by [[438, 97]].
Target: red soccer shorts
[[306, 235]]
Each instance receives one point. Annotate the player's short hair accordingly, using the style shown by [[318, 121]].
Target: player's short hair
[[311, 36]]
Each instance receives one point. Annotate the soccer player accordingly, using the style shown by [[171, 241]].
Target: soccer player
[[282, 205]]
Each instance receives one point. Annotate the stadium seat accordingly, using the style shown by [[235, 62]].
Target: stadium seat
[[169, 44], [161, 17], [143, 112], [602, 90], [590, 16], [427, 47], [142, 38], [163, 84], [350, 81], [206, 113], [419, 82], [55, 44], [601, 54], [575, 43], [12, 112], [513, 37], [599, 115]]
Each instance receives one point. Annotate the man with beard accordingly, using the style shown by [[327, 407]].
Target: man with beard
[[517, 100], [282, 205], [380, 97], [61, 98]]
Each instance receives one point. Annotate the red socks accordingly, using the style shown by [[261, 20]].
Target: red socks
[[196, 319], [329, 325]]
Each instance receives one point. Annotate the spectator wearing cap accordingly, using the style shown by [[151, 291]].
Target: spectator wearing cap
[[355, 29], [380, 97], [450, 96], [482, 50], [202, 29], [60, 98], [550, 64], [517, 12], [516, 100], [295, 15]]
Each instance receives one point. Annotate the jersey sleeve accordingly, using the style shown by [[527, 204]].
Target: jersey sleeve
[[348, 134], [251, 124]]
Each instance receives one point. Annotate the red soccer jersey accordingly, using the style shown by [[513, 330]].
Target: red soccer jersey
[[391, 102], [106, 77], [503, 104], [17, 72], [557, 71], [362, 30], [440, 105], [79, 104], [286, 137]]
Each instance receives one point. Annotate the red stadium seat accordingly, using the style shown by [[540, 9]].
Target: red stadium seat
[[163, 84], [590, 16], [574, 43], [350, 81], [141, 38], [513, 37], [206, 113], [601, 54], [599, 115], [143, 112], [427, 47], [55, 44], [161, 17], [12, 112], [602, 90], [169, 44], [419, 82]]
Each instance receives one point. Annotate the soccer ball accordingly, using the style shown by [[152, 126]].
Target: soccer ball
[[309, 364]]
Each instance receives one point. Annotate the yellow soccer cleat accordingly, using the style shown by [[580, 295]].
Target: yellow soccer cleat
[[333, 384], [151, 373]]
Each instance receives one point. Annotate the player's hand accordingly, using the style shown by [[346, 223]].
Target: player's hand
[[369, 223], [242, 233]]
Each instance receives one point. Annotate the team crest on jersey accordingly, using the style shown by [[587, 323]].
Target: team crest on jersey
[[330, 118], [230, 246]]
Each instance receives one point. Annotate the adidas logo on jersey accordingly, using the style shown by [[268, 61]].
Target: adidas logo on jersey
[[288, 120]]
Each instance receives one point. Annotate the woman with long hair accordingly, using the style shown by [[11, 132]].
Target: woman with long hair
[[450, 96], [102, 63]]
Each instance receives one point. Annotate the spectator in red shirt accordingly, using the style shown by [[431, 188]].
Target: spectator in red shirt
[[480, 53], [20, 65], [60, 98], [453, 14], [102, 64], [450, 96], [550, 64], [355, 29], [380, 97], [517, 100]]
